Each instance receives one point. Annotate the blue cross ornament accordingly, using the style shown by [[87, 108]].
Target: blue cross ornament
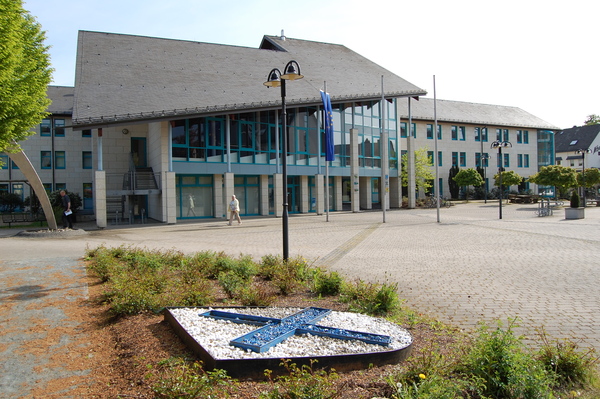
[[274, 331]]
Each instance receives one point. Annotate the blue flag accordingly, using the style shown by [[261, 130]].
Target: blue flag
[[328, 114]]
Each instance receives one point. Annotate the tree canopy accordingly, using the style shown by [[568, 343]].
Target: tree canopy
[[561, 177], [509, 178], [423, 173], [592, 119], [468, 177], [592, 177], [25, 74]]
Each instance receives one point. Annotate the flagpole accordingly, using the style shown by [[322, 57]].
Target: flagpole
[[326, 169], [436, 188], [384, 161]]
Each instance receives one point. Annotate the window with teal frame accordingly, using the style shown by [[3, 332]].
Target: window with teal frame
[[60, 160], [46, 127], [59, 128], [86, 159], [3, 161], [46, 159]]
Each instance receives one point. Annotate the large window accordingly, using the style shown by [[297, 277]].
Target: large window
[[60, 159], [86, 160], [46, 127], [46, 158]]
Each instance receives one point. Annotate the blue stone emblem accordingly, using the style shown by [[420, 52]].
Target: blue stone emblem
[[274, 331]]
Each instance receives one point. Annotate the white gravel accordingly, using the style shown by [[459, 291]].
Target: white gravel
[[214, 335]]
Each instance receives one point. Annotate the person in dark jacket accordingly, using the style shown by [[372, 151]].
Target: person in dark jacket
[[67, 215]]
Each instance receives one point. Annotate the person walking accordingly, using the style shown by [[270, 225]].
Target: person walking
[[191, 205], [234, 209], [67, 215]]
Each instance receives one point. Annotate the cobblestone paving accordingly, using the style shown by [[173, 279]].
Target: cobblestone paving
[[470, 267]]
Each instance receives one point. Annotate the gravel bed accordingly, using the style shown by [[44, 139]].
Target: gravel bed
[[214, 335]]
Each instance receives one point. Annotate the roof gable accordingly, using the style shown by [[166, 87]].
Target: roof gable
[[576, 138], [122, 78]]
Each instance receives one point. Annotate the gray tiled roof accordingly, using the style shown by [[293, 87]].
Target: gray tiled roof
[[576, 138], [121, 78], [62, 100], [473, 113]]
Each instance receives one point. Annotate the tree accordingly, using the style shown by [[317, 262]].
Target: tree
[[25, 74], [468, 177], [592, 177], [452, 185], [561, 177], [592, 119], [423, 174], [509, 178]]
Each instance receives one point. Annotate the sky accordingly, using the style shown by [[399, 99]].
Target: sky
[[538, 55]]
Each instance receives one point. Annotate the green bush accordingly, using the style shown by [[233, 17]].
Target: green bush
[[572, 367], [372, 299], [183, 380], [254, 295], [232, 282], [329, 283], [499, 359], [301, 383], [574, 199]]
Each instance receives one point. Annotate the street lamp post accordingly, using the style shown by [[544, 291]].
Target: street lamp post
[[484, 161], [277, 79], [499, 144], [583, 152]]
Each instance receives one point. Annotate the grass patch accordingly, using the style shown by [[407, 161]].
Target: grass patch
[[491, 363]]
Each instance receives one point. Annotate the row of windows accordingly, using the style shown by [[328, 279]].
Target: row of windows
[[56, 127], [460, 159], [60, 161], [254, 137], [460, 133]]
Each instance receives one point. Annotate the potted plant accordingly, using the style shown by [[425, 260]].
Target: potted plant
[[574, 211]]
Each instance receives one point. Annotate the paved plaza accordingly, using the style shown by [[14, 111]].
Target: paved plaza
[[468, 268]]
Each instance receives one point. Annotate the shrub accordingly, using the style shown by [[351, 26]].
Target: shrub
[[572, 368], [253, 295], [499, 359], [302, 383], [231, 282], [574, 199], [372, 299], [182, 380], [327, 283]]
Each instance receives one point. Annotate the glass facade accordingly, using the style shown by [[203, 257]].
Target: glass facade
[[253, 136]]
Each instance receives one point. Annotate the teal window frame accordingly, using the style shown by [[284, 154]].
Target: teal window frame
[[440, 158], [454, 158], [59, 127], [46, 127], [519, 160], [60, 159], [463, 159], [86, 133], [430, 131], [519, 136], [525, 160], [462, 133], [86, 160], [46, 159], [525, 136]]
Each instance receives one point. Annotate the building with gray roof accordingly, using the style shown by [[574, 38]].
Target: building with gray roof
[[170, 129]]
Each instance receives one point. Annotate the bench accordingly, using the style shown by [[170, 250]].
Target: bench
[[20, 217], [523, 199]]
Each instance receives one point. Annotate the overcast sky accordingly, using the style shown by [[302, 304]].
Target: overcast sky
[[538, 55]]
